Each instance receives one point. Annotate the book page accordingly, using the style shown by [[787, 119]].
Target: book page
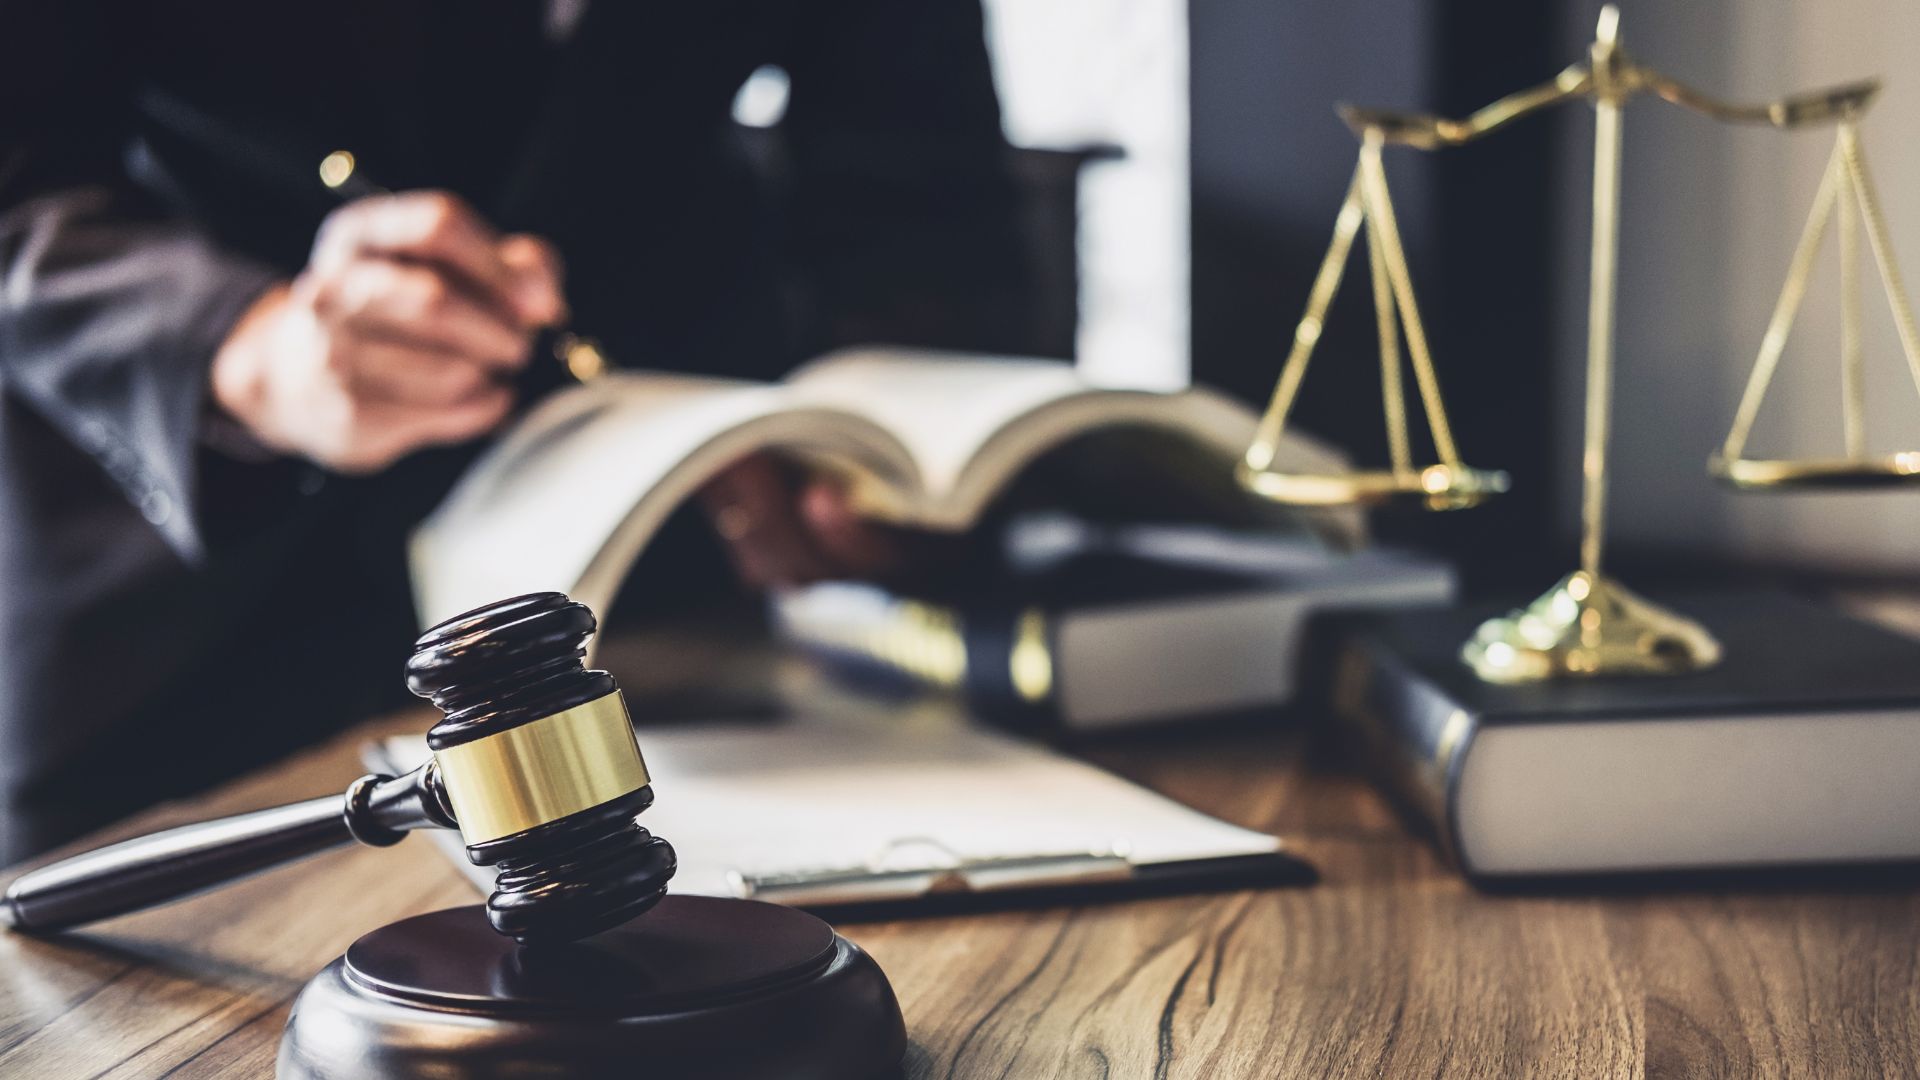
[[974, 423], [944, 407], [570, 496]]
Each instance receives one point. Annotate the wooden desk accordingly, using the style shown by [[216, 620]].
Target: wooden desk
[[1389, 967]]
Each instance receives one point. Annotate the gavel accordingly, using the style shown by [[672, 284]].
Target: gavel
[[534, 762]]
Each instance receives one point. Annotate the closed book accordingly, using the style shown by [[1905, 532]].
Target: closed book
[[1801, 747], [1104, 640]]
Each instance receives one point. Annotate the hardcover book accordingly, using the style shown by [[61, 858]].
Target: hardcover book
[[1101, 640], [1801, 747]]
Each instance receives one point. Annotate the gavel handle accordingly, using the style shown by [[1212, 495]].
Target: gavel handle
[[150, 870]]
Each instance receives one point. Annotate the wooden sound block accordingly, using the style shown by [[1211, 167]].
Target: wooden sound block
[[698, 987]]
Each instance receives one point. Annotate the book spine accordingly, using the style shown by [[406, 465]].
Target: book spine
[[1000, 660], [1412, 734], [1010, 664]]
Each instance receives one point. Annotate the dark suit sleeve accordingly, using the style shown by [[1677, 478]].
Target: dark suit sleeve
[[903, 208], [110, 309]]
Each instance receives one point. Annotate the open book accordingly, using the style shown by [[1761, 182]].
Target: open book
[[570, 497]]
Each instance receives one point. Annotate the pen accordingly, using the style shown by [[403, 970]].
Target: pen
[[578, 355]]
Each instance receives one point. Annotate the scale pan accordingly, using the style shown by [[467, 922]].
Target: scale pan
[[1809, 474], [1437, 487]]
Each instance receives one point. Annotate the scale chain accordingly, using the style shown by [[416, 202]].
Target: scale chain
[[1877, 239], [1326, 284], [1853, 391], [1393, 394], [1774, 342], [1380, 216]]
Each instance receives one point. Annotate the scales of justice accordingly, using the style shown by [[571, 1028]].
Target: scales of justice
[[1588, 624]]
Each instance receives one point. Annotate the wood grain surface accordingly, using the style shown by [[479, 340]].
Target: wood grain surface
[[1389, 966]]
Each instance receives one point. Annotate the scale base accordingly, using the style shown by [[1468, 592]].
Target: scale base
[[699, 987], [1587, 627]]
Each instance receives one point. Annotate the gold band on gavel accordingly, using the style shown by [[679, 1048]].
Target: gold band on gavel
[[542, 771]]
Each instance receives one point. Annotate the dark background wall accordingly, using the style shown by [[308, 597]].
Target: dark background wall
[[1270, 164]]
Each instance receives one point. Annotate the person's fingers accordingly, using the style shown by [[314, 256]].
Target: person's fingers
[[769, 548], [423, 226], [378, 433], [414, 305], [856, 546], [752, 507], [773, 551], [539, 279], [464, 420], [405, 375]]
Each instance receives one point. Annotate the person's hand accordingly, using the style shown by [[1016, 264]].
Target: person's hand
[[400, 334], [782, 532]]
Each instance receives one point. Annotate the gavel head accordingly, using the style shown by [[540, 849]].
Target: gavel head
[[538, 762]]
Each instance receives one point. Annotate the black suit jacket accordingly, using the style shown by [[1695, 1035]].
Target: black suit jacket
[[167, 614]]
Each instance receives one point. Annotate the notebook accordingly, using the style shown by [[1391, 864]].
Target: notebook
[[823, 810]]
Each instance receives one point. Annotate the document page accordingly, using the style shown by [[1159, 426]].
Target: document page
[[920, 789]]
